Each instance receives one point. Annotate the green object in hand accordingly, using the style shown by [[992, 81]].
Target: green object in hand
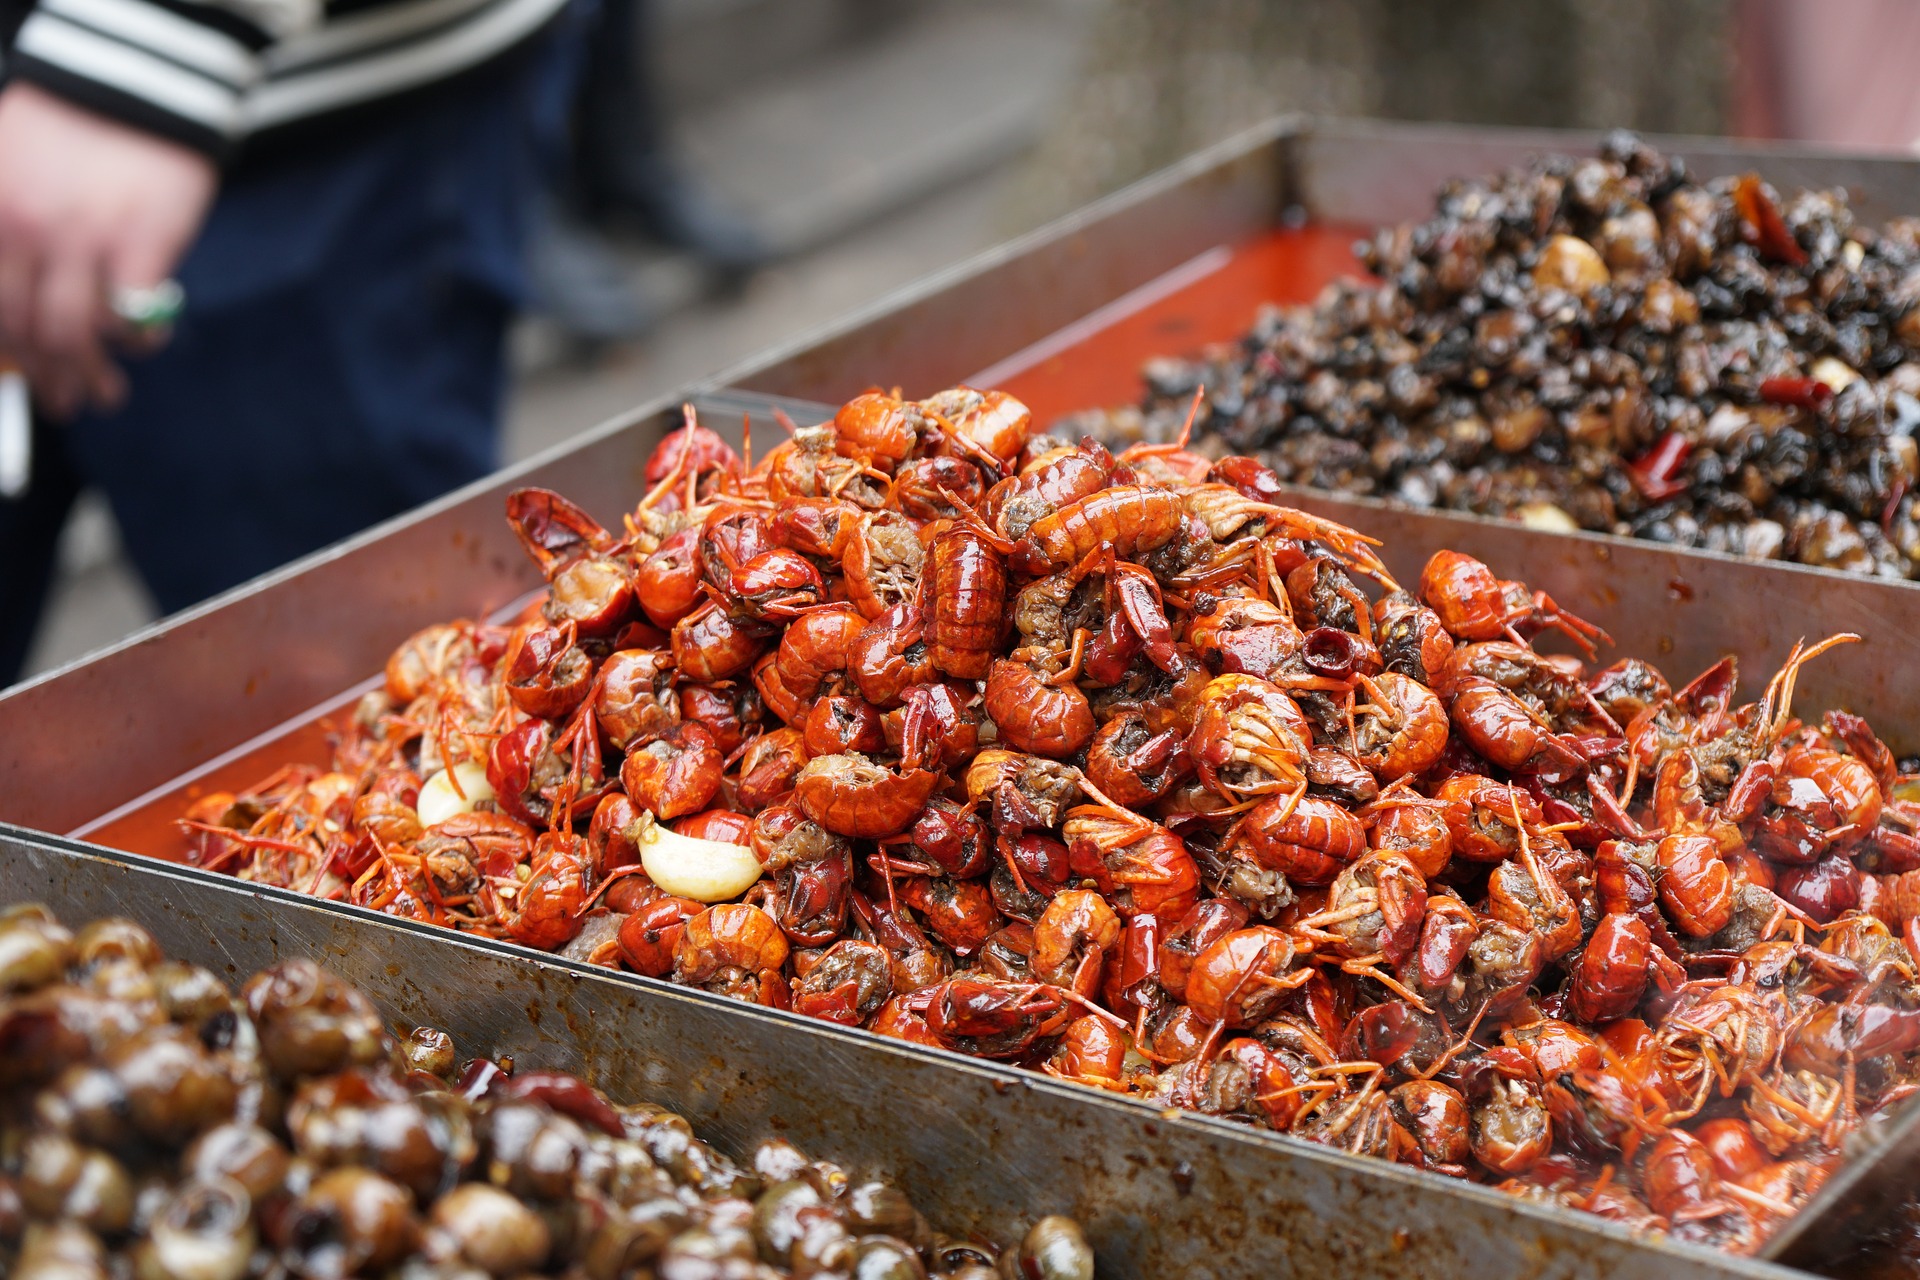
[[152, 308]]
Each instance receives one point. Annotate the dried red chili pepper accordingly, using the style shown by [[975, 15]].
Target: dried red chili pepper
[[566, 1094], [1801, 393], [1139, 952], [1655, 473], [479, 1079], [1766, 229]]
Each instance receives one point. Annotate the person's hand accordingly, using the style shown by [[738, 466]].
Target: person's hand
[[87, 206]]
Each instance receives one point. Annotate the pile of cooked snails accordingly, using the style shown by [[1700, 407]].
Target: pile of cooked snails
[[155, 1124], [1602, 344], [1120, 769]]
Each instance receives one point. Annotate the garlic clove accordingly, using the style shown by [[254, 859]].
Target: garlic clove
[[1546, 517], [439, 801], [689, 867], [1837, 375]]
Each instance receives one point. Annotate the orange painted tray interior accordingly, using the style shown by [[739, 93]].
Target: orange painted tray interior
[[1096, 361], [1092, 363], [146, 825]]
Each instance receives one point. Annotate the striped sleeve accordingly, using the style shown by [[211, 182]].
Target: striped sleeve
[[209, 73], [181, 70]]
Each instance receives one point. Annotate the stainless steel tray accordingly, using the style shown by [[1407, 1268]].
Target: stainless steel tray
[[1733, 600], [978, 1146]]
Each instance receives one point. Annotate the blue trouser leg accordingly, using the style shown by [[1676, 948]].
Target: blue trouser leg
[[340, 359], [342, 354]]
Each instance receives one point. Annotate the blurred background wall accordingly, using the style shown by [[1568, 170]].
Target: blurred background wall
[[1163, 77]]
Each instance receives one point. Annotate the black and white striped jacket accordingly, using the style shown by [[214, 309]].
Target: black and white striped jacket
[[217, 73]]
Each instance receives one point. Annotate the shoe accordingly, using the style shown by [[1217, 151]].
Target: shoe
[[579, 283], [679, 211]]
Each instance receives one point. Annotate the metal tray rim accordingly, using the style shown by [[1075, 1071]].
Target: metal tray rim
[[1360, 128]]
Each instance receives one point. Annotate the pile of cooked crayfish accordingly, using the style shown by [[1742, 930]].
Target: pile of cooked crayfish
[[1605, 343], [1117, 768], [156, 1124]]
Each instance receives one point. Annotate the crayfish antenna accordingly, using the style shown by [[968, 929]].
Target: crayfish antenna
[[1193, 413], [1770, 700], [1466, 1038], [1789, 674], [1535, 871], [1211, 1044], [1293, 801], [1369, 967], [1266, 585], [672, 478], [1632, 781], [1075, 998], [1101, 557], [1179, 443], [739, 753]]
